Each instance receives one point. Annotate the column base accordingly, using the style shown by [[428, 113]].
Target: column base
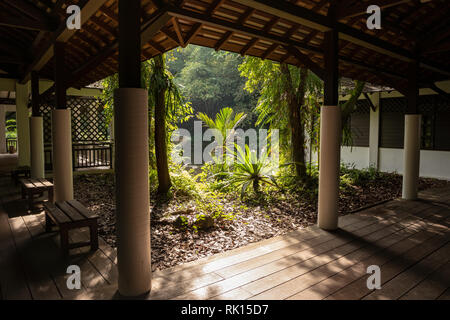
[[411, 156], [132, 191], [37, 147], [329, 166], [62, 155]]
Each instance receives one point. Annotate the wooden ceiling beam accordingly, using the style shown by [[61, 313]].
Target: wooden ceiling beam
[[154, 25], [104, 26], [344, 12], [248, 46], [224, 39], [157, 46], [439, 91], [171, 35], [270, 50], [12, 60], [192, 33], [28, 9], [233, 27], [236, 28], [179, 33], [245, 16], [307, 62], [62, 34], [148, 31], [322, 23], [214, 6], [24, 23], [445, 47]]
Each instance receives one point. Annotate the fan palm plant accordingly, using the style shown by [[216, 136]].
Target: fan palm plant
[[226, 122]]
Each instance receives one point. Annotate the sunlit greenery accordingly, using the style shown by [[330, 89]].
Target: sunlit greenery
[[226, 92], [11, 129]]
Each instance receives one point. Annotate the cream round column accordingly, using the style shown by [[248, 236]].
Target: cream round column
[[132, 191], [62, 154], [37, 147], [2, 130], [411, 156], [23, 124], [329, 164]]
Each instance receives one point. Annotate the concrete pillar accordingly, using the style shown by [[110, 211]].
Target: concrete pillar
[[3, 130], [113, 143], [62, 154], [37, 147], [23, 125], [132, 191], [374, 132], [329, 165], [411, 156]]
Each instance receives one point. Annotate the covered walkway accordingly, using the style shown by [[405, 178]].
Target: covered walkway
[[408, 240]]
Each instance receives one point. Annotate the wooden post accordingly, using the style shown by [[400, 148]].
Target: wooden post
[[330, 138], [130, 44], [331, 79], [60, 76], [131, 159], [35, 94]]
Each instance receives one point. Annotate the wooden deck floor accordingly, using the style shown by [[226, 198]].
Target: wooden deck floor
[[408, 240]]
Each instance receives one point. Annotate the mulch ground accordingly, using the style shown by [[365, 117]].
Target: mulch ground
[[254, 219]]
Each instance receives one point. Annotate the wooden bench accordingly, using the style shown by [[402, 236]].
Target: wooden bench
[[30, 187], [69, 215], [20, 172]]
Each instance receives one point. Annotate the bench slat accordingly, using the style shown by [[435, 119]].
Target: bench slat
[[37, 183], [27, 183], [46, 182], [69, 211], [82, 209], [57, 214]]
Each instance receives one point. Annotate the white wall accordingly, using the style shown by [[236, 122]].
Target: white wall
[[391, 160], [357, 156], [433, 164]]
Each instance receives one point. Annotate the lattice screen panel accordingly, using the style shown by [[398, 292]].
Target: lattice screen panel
[[88, 119]]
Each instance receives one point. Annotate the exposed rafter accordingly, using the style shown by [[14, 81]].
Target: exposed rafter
[[62, 34], [24, 23], [177, 28], [361, 7], [306, 61]]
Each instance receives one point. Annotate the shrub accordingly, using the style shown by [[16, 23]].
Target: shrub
[[251, 170]]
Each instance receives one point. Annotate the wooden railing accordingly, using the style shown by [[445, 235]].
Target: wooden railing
[[85, 155], [11, 142]]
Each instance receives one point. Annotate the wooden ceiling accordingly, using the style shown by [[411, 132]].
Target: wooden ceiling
[[283, 30]]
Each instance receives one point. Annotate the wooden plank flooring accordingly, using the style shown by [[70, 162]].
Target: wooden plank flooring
[[408, 240]]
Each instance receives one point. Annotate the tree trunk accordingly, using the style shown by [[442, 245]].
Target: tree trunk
[[296, 99], [256, 186], [162, 165]]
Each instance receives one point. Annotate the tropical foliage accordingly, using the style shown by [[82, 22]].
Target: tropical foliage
[[249, 169], [166, 109], [225, 122], [288, 102], [258, 93], [11, 128]]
